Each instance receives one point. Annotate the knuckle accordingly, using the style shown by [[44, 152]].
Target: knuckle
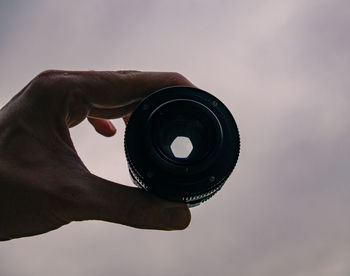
[[46, 82], [47, 78], [48, 73], [176, 78]]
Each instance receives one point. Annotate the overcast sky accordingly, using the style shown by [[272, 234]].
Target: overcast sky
[[282, 68]]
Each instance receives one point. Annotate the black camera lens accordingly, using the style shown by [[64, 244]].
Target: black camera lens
[[181, 143]]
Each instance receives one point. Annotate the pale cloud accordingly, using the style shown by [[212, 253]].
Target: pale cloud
[[282, 68]]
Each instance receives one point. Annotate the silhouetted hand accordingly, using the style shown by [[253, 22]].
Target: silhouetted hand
[[43, 182]]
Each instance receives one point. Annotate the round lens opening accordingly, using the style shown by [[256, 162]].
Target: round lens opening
[[184, 137], [181, 147]]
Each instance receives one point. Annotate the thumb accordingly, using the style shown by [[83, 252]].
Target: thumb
[[109, 201]]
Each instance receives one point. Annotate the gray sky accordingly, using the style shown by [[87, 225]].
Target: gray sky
[[282, 67]]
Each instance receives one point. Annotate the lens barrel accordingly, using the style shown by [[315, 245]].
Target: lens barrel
[[181, 143]]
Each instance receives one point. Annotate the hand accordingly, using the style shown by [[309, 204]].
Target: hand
[[44, 184]]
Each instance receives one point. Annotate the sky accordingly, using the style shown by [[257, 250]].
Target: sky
[[281, 67]]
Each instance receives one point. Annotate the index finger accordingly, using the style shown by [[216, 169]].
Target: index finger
[[115, 89]]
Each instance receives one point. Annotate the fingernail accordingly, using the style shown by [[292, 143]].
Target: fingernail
[[178, 218]]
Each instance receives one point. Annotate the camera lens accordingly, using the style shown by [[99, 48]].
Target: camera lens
[[181, 143]]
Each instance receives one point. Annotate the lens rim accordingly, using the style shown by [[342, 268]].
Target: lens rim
[[184, 184]]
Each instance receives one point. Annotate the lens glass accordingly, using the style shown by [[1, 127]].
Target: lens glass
[[181, 147], [183, 131]]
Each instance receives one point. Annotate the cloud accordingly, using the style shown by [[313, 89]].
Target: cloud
[[281, 67]]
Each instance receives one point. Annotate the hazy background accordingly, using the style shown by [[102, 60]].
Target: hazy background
[[282, 67]]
